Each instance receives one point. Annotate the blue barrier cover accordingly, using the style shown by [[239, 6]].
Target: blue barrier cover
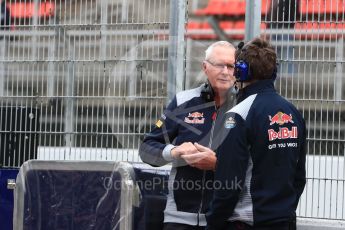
[[89, 195], [6, 198], [75, 195]]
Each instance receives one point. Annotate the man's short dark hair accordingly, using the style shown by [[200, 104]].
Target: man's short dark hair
[[261, 58]]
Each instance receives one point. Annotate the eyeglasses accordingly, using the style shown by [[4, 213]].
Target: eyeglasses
[[221, 66]]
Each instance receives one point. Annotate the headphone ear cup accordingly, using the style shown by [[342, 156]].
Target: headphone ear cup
[[242, 71], [207, 92]]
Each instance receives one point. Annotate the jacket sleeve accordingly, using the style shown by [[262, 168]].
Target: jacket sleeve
[[300, 178], [156, 146], [232, 164]]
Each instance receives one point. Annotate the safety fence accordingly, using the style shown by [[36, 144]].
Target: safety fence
[[85, 79], [81, 75]]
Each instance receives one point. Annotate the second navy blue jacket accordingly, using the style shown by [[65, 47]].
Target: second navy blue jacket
[[187, 118], [261, 162]]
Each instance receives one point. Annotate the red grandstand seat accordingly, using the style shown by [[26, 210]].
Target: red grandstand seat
[[200, 31], [319, 30], [229, 8], [223, 7], [27, 9], [322, 6]]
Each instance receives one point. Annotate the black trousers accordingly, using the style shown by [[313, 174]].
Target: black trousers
[[277, 226], [175, 226]]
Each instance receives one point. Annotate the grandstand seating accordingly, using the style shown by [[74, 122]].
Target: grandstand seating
[[231, 15], [321, 6], [22, 10], [325, 30]]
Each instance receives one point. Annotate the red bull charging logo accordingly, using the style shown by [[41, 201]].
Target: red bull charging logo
[[195, 118], [280, 118]]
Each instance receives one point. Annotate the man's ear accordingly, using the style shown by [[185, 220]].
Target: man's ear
[[204, 66]]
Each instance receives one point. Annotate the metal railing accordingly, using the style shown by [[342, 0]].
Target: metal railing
[[88, 80], [95, 71]]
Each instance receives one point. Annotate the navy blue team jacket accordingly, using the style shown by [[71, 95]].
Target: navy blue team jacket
[[261, 162], [188, 118]]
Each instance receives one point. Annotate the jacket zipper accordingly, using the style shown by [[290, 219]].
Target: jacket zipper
[[214, 117]]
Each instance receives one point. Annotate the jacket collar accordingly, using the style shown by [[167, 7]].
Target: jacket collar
[[260, 86]]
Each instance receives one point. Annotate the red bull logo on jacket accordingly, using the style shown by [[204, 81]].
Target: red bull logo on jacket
[[195, 118], [283, 133], [280, 118]]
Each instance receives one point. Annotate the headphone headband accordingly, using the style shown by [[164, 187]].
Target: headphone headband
[[207, 92]]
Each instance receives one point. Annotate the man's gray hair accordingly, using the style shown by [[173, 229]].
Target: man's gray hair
[[209, 50]]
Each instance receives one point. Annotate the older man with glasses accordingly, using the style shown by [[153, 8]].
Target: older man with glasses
[[184, 136]]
